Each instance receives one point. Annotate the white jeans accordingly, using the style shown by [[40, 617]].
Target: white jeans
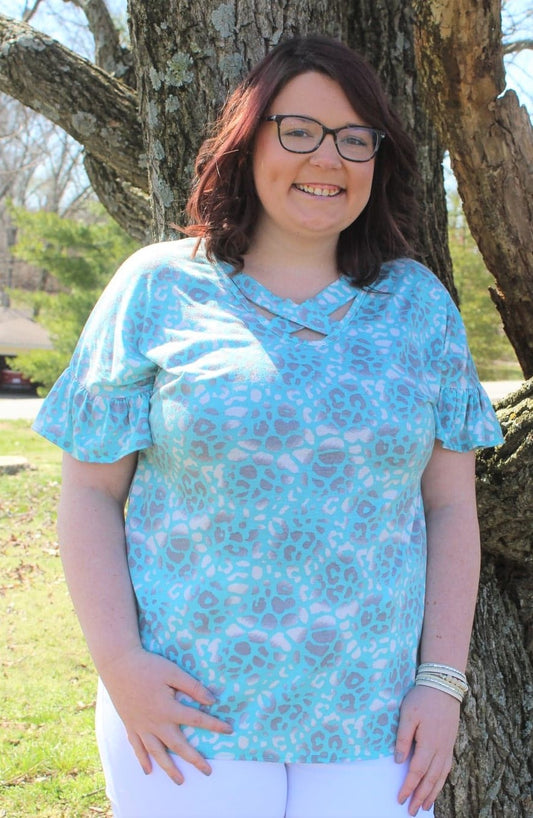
[[244, 789]]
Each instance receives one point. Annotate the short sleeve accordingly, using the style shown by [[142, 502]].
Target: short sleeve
[[464, 416], [98, 410]]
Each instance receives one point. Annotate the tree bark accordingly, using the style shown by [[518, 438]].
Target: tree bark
[[109, 54], [96, 109], [383, 31], [505, 482], [129, 206], [185, 71], [490, 139], [492, 776], [505, 504]]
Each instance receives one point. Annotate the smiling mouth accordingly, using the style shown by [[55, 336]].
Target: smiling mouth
[[319, 190]]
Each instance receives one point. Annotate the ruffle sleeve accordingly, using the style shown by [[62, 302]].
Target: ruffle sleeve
[[97, 426], [464, 416], [98, 410], [465, 419]]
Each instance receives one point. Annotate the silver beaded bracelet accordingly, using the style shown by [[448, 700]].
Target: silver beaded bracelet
[[442, 677]]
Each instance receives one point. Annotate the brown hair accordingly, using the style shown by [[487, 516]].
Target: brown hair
[[224, 207]]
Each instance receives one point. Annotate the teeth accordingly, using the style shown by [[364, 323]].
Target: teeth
[[318, 191]]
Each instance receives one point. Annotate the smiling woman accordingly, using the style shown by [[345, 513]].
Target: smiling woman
[[307, 197], [290, 409], [225, 204]]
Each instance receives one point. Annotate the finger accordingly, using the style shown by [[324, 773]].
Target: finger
[[178, 745], [440, 780], [404, 740], [192, 717], [429, 787], [407, 728], [418, 767], [158, 752], [142, 756], [192, 687]]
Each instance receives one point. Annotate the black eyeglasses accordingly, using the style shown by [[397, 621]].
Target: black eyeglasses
[[302, 134]]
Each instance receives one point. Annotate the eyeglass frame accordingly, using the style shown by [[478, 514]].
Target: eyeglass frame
[[278, 118]]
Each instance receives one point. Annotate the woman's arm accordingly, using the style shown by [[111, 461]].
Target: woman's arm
[[429, 718], [141, 685]]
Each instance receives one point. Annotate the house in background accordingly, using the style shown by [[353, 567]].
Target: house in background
[[18, 333]]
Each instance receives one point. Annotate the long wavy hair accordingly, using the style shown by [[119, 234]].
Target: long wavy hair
[[224, 207]]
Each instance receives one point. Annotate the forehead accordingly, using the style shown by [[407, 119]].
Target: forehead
[[315, 95]]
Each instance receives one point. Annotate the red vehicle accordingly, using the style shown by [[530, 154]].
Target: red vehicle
[[13, 380]]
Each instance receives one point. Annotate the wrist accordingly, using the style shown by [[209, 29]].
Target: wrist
[[442, 677], [107, 662]]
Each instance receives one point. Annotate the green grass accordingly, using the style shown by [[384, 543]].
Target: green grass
[[49, 764]]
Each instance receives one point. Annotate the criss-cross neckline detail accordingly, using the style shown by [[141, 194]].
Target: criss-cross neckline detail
[[288, 316]]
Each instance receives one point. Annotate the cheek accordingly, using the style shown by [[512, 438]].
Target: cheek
[[362, 182], [271, 175]]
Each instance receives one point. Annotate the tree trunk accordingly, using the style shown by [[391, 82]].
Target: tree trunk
[[185, 71], [491, 778], [490, 139], [383, 31], [188, 56], [505, 504], [214, 45]]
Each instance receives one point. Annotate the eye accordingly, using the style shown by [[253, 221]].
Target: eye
[[356, 139], [297, 133]]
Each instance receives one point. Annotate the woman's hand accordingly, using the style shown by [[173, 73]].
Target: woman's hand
[[143, 688], [429, 720]]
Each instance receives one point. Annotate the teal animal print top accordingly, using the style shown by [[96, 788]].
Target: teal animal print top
[[275, 528]]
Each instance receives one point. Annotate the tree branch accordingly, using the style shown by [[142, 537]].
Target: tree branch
[[28, 13], [516, 46], [109, 55], [129, 206], [96, 109]]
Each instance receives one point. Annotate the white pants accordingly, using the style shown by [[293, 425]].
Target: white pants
[[244, 789]]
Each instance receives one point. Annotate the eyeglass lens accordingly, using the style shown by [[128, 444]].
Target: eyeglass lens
[[301, 135]]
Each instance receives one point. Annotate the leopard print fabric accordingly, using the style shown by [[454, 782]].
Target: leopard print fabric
[[275, 527]]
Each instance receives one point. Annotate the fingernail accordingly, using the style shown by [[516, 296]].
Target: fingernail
[[399, 757], [206, 770], [209, 698]]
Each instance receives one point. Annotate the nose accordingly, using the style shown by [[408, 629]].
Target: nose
[[326, 155]]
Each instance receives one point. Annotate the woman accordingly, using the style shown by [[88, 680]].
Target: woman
[[290, 409]]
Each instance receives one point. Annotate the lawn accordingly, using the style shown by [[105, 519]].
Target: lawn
[[49, 764]]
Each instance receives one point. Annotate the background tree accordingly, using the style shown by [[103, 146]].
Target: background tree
[[81, 257], [442, 65], [41, 168]]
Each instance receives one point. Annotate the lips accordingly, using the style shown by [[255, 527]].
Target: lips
[[327, 191]]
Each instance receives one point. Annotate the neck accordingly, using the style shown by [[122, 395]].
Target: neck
[[290, 267]]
